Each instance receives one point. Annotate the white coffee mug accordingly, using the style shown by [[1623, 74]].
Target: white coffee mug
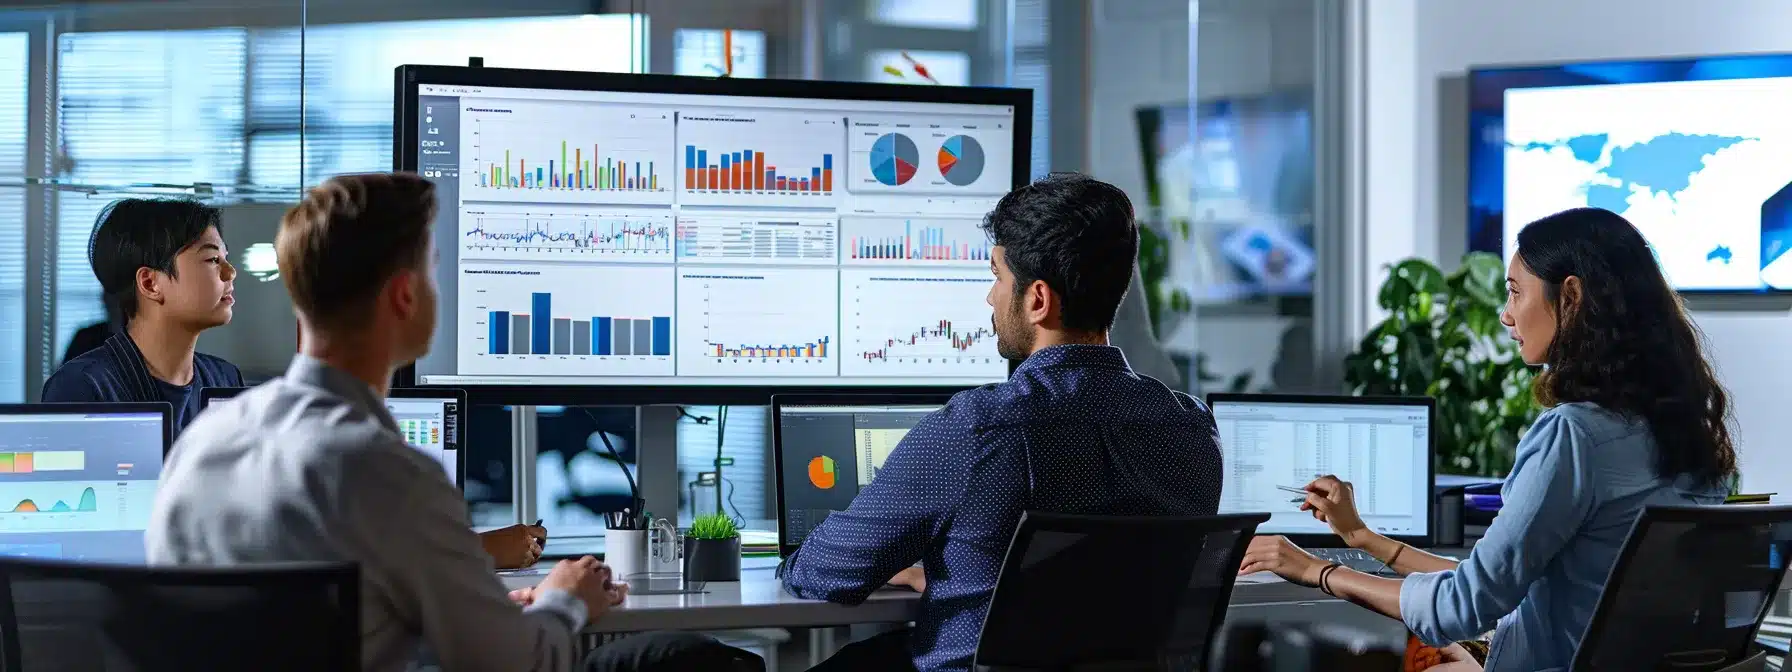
[[625, 551]]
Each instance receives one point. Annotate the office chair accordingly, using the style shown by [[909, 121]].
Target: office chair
[[1303, 647], [1113, 592], [288, 616], [1689, 591]]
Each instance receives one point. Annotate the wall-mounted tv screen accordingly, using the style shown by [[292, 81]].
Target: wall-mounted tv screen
[[1693, 151]]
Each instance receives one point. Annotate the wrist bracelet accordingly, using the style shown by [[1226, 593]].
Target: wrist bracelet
[[1396, 557], [1325, 575]]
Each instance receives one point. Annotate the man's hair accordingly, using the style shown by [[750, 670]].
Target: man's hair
[[137, 233], [347, 237], [1078, 235]]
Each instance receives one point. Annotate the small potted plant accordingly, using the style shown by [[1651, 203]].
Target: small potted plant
[[712, 549]]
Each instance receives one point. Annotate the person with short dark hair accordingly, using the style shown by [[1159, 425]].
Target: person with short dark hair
[[311, 466], [1073, 430], [166, 277]]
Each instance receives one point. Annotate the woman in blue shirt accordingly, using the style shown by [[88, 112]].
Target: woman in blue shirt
[[1636, 418]]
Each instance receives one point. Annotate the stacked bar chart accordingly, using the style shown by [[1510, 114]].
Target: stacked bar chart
[[813, 349], [538, 332], [747, 171]]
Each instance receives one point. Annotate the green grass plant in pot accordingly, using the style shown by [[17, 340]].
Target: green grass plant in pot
[[712, 549], [1443, 339]]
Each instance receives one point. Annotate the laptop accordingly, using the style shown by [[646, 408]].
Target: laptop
[[1383, 446], [829, 446], [77, 481], [431, 419]]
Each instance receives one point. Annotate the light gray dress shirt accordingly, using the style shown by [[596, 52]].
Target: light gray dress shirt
[[311, 467]]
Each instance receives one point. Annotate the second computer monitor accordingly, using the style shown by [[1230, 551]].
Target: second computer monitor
[[77, 481], [1383, 446], [828, 447], [431, 419]]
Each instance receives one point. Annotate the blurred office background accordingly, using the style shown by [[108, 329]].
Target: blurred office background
[[1217, 116]]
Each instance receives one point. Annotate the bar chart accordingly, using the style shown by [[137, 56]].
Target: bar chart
[[566, 320], [763, 159], [762, 322], [757, 239], [566, 152], [906, 323], [549, 233], [914, 242]]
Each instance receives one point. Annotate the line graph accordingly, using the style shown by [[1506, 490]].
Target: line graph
[[759, 322], [541, 233], [901, 322], [76, 506]]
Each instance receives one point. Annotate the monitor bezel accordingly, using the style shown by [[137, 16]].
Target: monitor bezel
[[1333, 540], [163, 408], [210, 394], [779, 401], [751, 390]]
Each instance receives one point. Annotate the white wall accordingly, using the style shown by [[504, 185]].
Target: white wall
[[1423, 201]]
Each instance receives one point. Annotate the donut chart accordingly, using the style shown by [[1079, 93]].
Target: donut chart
[[822, 472], [961, 160], [894, 158]]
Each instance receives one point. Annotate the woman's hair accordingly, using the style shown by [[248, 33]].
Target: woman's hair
[[1626, 343]]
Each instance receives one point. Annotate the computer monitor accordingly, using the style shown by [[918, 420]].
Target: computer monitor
[[432, 420], [1383, 446], [828, 447], [640, 239], [77, 481]]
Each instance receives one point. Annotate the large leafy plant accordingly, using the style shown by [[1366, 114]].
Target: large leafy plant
[[1443, 338]]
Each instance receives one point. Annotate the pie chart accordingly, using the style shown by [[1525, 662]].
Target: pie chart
[[821, 469], [961, 160], [893, 159]]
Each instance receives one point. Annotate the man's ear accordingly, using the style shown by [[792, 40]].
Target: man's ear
[[149, 284]]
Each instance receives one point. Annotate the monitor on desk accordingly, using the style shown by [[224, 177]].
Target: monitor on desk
[[828, 447], [1383, 446], [78, 480], [432, 420]]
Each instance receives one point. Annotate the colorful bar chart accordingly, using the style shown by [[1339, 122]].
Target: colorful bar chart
[[930, 243], [746, 171], [43, 460], [815, 349], [571, 172], [538, 332]]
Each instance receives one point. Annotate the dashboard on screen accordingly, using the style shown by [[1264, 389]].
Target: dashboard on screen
[[1689, 150], [654, 239]]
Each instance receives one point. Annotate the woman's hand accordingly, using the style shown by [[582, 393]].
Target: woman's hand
[[1277, 554], [1333, 502]]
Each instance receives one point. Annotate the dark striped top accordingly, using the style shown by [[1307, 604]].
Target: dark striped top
[[117, 372]]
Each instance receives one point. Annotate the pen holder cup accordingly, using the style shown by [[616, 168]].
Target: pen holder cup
[[625, 551], [711, 559]]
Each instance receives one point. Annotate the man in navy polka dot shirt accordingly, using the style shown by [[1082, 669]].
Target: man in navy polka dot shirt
[[1074, 430]]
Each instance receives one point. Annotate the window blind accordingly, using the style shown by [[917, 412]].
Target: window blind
[[13, 48], [1032, 70], [745, 441], [135, 107]]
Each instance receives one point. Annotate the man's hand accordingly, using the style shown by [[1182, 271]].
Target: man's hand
[[914, 578], [1277, 554], [514, 547], [588, 580]]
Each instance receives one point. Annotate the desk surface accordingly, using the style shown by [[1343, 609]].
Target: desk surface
[[758, 600]]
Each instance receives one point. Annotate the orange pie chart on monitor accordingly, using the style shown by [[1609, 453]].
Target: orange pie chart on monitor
[[821, 472]]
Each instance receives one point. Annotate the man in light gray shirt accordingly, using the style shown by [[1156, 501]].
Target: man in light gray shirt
[[311, 466]]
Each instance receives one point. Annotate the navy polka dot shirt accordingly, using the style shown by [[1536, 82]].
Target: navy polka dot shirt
[[1074, 430]]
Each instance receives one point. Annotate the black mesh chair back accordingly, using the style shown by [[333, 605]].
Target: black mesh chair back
[[1112, 592], [1689, 590], [131, 618]]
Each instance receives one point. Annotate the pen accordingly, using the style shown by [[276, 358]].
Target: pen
[[1287, 488]]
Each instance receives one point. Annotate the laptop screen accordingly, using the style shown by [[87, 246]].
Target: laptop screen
[[78, 486]]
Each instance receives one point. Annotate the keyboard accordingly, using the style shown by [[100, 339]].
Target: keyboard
[[1355, 559]]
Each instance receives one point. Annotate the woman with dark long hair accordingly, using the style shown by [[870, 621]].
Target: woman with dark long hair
[[1635, 418]]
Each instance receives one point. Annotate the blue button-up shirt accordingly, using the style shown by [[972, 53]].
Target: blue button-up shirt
[[1074, 430]]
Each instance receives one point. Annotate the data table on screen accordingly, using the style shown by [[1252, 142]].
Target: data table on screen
[[757, 238], [566, 152], [1376, 458], [757, 322], [566, 319]]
